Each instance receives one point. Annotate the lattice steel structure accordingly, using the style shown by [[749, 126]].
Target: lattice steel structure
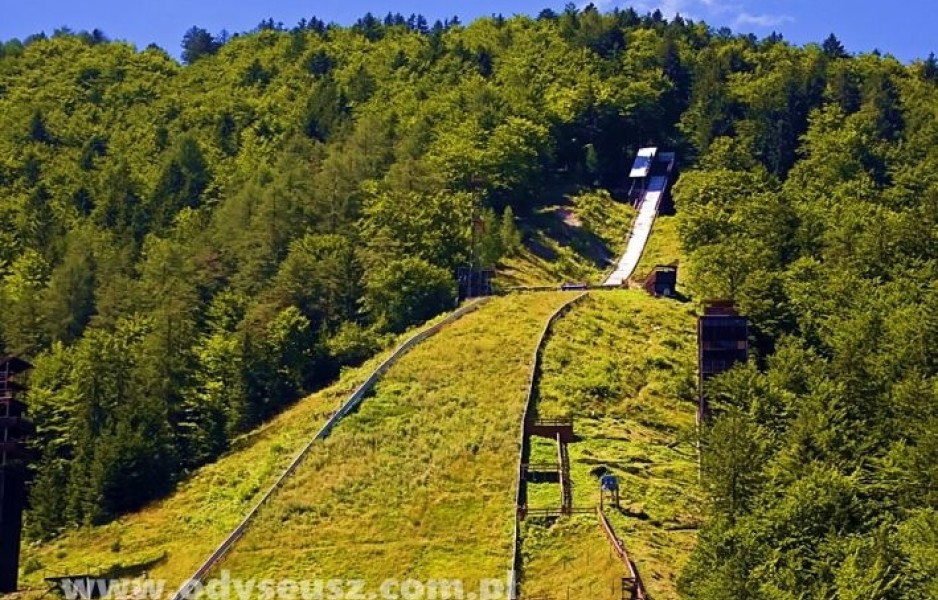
[[14, 429]]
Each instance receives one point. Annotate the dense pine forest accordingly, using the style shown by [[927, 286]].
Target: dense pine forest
[[185, 249]]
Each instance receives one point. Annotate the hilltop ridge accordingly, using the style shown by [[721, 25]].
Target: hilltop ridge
[[186, 251]]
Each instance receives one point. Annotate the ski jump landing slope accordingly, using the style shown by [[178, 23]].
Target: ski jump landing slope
[[641, 231]]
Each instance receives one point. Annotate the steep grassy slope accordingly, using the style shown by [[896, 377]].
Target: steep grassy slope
[[575, 239], [664, 247], [580, 240], [418, 483], [622, 365], [171, 538], [571, 558]]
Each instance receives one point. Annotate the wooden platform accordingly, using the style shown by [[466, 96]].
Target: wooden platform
[[551, 430]]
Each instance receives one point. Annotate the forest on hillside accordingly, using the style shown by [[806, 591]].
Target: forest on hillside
[[186, 249], [822, 463]]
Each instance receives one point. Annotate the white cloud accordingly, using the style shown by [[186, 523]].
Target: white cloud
[[744, 19], [669, 8], [715, 12], [600, 4]]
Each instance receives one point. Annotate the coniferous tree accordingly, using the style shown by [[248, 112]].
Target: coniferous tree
[[198, 43], [930, 68], [183, 179], [37, 128], [68, 300], [509, 233], [833, 48]]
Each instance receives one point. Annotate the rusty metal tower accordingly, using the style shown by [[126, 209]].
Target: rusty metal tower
[[722, 341], [14, 429]]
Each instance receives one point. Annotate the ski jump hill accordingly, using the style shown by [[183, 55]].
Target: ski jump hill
[[650, 175]]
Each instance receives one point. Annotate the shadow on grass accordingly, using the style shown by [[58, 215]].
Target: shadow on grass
[[627, 512], [540, 250], [679, 297], [550, 223], [135, 570], [543, 477]]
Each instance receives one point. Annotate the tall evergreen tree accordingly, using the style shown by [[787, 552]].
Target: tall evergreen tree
[[198, 43]]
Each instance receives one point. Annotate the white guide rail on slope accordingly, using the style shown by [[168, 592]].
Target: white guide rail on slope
[[641, 231]]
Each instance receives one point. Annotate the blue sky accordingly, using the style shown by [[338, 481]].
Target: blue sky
[[905, 30]]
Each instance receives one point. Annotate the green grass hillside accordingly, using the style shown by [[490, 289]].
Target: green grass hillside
[[420, 482], [171, 538], [577, 238], [580, 238], [663, 248], [623, 366]]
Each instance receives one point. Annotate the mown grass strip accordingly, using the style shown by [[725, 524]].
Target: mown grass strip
[[622, 365], [523, 442], [418, 483]]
